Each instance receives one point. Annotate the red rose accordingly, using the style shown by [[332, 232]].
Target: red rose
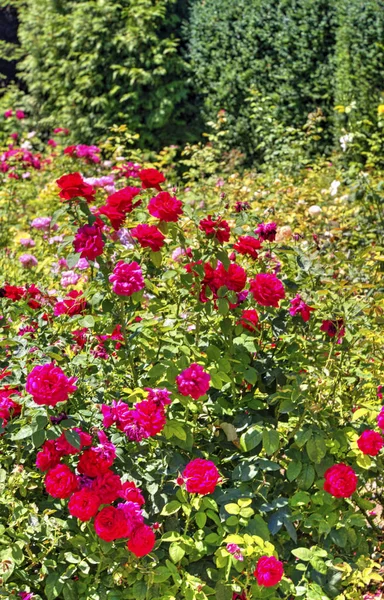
[[48, 457], [234, 278], [267, 289], [218, 229], [333, 328], [119, 205], [107, 487], [370, 442], [73, 186], [130, 492], [151, 178], [249, 319], [142, 541], [110, 524], [60, 482], [13, 292], [340, 481], [201, 477], [269, 571], [84, 504], [95, 461], [115, 216], [89, 242], [247, 245], [165, 207], [73, 304], [148, 236]]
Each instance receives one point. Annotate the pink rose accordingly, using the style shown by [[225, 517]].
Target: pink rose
[[49, 385]]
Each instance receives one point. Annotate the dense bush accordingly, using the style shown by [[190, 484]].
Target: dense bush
[[89, 65], [307, 55], [283, 48], [142, 330]]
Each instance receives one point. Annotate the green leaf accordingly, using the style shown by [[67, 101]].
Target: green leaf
[[306, 477], [294, 470], [156, 258], [87, 321], [251, 438], [201, 519], [316, 449], [176, 552], [38, 438], [161, 574], [302, 553], [53, 586], [171, 508], [73, 438], [223, 592], [271, 441], [232, 509], [23, 433]]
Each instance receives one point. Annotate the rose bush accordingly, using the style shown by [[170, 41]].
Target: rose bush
[[190, 398]]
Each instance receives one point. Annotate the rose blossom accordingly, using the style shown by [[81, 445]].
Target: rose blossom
[[73, 186], [42, 223], [217, 229], [49, 385], [267, 289], [247, 245], [27, 242], [340, 481], [88, 242], [266, 231], [111, 524], [69, 278], [299, 306], [370, 442], [151, 178], [201, 476], [48, 457], [60, 482], [380, 419], [193, 381], [235, 550], [249, 319], [148, 236], [107, 487], [73, 304], [269, 571], [28, 261], [165, 207], [84, 504], [131, 493], [127, 278], [142, 541]]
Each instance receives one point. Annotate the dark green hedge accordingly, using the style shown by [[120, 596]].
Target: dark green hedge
[[93, 63], [305, 54]]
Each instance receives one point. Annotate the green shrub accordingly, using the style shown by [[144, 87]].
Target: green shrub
[[282, 48], [89, 65]]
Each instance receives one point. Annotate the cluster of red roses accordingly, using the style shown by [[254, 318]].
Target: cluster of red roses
[[96, 486]]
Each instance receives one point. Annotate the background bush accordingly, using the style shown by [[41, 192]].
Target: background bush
[[89, 65]]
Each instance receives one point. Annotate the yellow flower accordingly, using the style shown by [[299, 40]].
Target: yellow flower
[[380, 109]]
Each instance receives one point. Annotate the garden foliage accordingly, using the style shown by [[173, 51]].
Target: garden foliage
[[190, 395]]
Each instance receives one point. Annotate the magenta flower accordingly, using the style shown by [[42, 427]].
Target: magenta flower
[[298, 306], [42, 223], [193, 382], [127, 278], [49, 385]]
